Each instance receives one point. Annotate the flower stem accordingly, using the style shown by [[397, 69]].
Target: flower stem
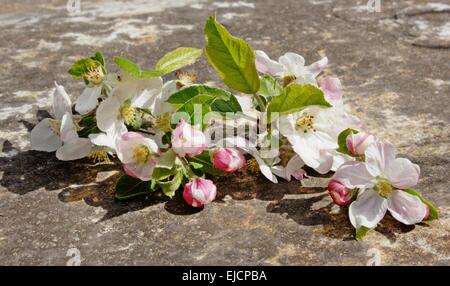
[[262, 106]]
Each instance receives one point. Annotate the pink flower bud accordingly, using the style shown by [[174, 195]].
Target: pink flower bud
[[228, 159], [199, 192], [187, 140], [339, 193], [427, 214], [358, 143]]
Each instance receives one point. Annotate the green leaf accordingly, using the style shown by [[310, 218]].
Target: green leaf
[[361, 232], [134, 70], [434, 213], [269, 88], [202, 100], [128, 187], [100, 58], [177, 59], [162, 173], [166, 160], [232, 57], [296, 97], [169, 187], [342, 140], [203, 162], [88, 126], [223, 101], [81, 67]]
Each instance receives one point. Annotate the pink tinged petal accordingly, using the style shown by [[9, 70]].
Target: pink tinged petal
[[317, 67], [353, 175], [378, 156], [199, 192], [132, 135], [228, 159], [331, 87], [74, 149], [129, 171], [293, 63], [402, 173], [339, 193], [61, 102], [368, 209], [187, 140], [358, 143], [427, 213], [44, 138], [267, 66], [294, 168], [108, 113], [88, 100], [406, 208], [142, 171]]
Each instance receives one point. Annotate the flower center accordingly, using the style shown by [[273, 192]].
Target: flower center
[[185, 78], [99, 155], [55, 125], [383, 187], [141, 153], [288, 79], [128, 114], [252, 166], [94, 75], [305, 123]]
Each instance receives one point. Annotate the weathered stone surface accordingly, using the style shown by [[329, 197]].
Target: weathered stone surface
[[394, 66]]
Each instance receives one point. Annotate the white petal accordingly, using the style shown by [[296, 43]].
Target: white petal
[[354, 174], [317, 67], [44, 138], [378, 156], [88, 99], [368, 209], [159, 105], [306, 149], [146, 90], [326, 162], [293, 63], [280, 171], [406, 208], [74, 150], [108, 113], [101, 139], [267, 66], [265, 169], [68, 131], [294, 164], [61, 102], [402, 173]]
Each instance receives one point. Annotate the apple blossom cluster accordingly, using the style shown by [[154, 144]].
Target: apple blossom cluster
[[280, 119]]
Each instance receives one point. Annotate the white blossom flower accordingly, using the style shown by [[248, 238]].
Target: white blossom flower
[[290, 67], [382, 179], [121, 108]]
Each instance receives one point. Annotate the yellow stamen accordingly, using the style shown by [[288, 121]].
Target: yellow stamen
[[305, 123], [288, 80], [383, 187], [99, 155], [141, 153], [128, 114], [185, 78], [252, 166], [94, 75]]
